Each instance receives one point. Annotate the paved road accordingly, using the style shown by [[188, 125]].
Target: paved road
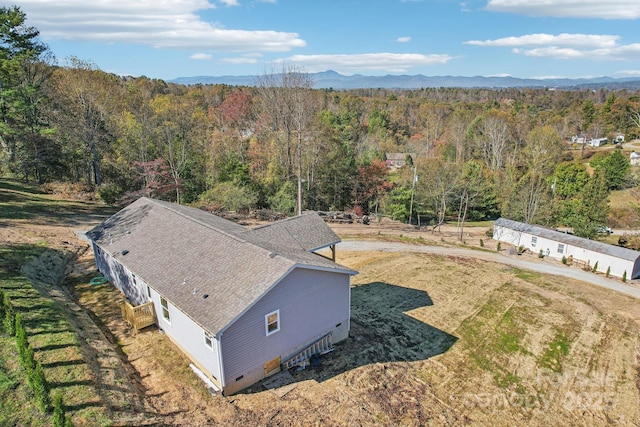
[[513, 260]]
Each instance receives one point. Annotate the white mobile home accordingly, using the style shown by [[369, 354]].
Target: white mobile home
[[241, 303], [556, 244]]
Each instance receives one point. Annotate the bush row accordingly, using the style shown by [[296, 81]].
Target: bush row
[[12, 325]]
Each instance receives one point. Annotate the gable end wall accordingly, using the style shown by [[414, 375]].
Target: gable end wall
[[311, 303]]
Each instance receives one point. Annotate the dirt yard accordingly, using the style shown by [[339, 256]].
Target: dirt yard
[[435, 340]]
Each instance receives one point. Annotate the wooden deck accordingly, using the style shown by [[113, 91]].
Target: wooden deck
[[138, 317]]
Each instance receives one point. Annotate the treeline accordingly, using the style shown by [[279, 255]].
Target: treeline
[[281, 145]]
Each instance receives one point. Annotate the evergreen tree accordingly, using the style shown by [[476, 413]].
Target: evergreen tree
[[591, 207]]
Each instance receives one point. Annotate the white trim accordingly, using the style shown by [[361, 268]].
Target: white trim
[[167, 317], [267, 323], [208, 336]]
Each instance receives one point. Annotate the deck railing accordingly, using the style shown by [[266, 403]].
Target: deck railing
[[138, 317]]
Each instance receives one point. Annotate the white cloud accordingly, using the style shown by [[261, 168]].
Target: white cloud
[[230, 2], [574, 40], [630, 52], [598, 9], [240, 60], [403, 39], [629, 73], [160, 24], [348, 64], [201, 56], [567, 46]]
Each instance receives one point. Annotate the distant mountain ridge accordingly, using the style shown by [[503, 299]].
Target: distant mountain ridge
[[334, 80]]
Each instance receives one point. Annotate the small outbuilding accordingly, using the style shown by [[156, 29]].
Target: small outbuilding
[[617, 260], [241, 303]]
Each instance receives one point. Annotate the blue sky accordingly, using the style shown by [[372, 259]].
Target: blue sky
[[183, 38]]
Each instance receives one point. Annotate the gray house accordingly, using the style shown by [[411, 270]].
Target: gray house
[[555, 244], [241, 303]]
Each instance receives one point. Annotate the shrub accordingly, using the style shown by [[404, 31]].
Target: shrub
[[9, 320], [110, 193], [595, 267], [41, 388], [540, 254], [230, 196], [608, 271], [2, 310], [60, 418], [21, 338], [564, 260], [624, 276], [481, 243], [499, 247], [489, 233]]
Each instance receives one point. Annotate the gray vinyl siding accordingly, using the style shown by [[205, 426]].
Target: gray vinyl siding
[[311, 303], [121, 277]]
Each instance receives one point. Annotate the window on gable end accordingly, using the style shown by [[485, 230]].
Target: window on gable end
[[208, 340], [272, 322]]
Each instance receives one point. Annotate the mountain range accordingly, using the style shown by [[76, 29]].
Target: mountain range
[[334, 80]]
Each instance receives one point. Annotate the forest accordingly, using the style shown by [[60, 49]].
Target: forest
[[471, 154]]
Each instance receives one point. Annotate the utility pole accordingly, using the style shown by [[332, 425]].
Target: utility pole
[[413, 188]]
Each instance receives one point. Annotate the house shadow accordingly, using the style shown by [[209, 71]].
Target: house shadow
[[382, 331]]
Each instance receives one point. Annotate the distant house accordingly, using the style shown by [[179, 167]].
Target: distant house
[[241, 303], [597, 142], [579, 139], [397, 160], [556, 245], [634, 158], [618, 138]]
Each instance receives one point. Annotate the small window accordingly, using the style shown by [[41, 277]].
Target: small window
[[534, 241], [272, 322], [560, 248], [165, 309], [149, 292], [208, 340], [135, 283]]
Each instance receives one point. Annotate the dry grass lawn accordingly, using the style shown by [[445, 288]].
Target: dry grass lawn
[[435, 340]]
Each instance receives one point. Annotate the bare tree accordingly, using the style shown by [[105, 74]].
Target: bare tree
[[492, 135], [290, 105]]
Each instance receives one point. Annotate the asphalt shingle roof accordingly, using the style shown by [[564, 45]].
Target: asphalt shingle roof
[[185, 253]]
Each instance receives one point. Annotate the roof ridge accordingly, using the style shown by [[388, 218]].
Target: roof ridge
[[169, 206]]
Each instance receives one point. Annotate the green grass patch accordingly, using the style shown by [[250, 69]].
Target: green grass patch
[[528, 275], [557, 349], [493, 335], [49, 332]]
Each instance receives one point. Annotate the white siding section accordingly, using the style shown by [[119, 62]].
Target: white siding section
[[557, 250], [189, 336]]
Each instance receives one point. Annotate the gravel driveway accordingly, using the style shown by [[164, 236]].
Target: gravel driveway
[[541, 266]]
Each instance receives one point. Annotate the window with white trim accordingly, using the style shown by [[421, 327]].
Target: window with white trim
[[560, 248], [272, 322], [208, 340], [165, 309], [534, 241]]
